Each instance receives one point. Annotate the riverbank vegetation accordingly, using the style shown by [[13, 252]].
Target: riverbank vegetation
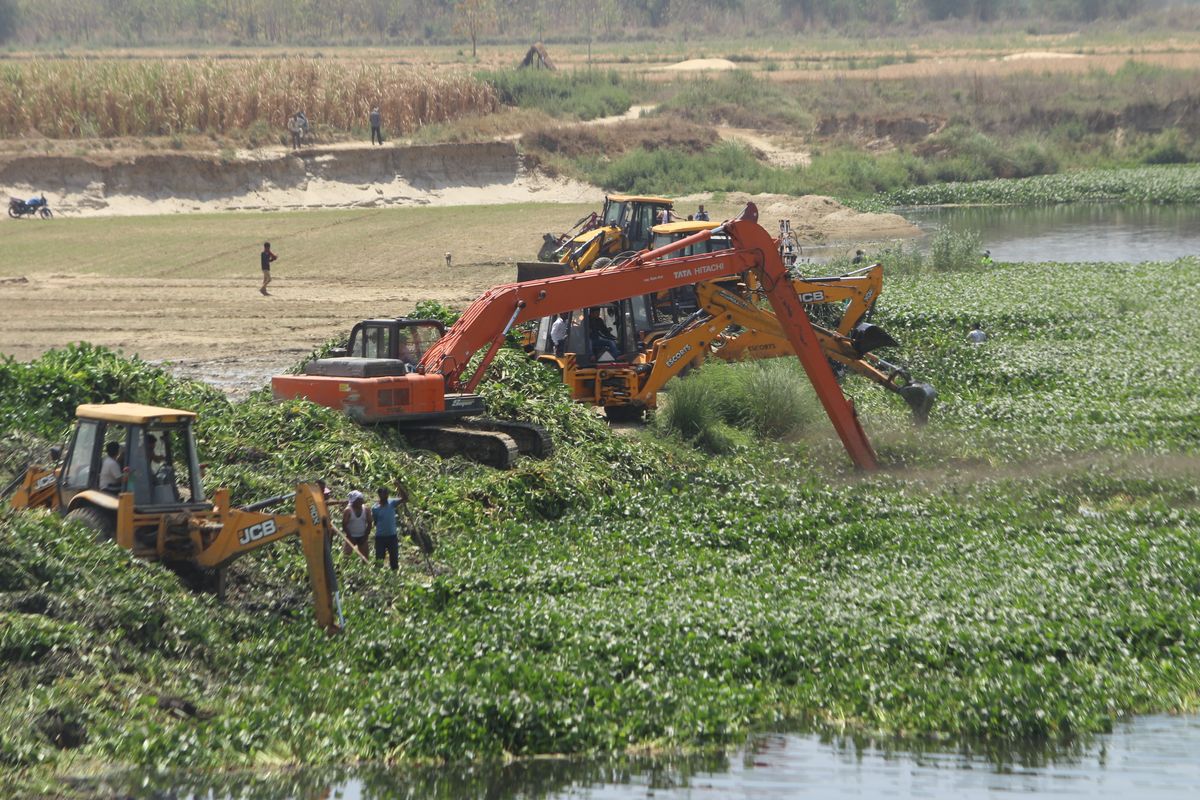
[[1025, 568], [860, 137], [137, 22]]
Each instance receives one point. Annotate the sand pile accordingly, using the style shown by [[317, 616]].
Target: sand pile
[[700, 65], [817, 218]]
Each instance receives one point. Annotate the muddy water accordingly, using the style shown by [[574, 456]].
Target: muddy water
[[1076, 232], [1152, 757]]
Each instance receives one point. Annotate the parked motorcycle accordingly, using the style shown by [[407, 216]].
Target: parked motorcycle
[[18, 208]]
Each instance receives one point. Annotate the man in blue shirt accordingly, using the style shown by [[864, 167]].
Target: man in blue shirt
[[383, 514]]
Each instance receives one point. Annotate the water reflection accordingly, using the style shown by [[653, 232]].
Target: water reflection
[[1075, 231], [1153, 757]]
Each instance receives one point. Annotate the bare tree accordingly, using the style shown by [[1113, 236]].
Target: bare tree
[[473, 17]]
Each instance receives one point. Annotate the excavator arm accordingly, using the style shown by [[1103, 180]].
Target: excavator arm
[[240, 531], [859, 290], [463, 355]]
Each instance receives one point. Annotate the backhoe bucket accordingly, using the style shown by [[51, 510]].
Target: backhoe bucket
[[536, 270], [867, 337], [920, 397]]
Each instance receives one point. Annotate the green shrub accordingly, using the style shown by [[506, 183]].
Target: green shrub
[[771, 399], [954, 250], [585, 95], [779, 398]]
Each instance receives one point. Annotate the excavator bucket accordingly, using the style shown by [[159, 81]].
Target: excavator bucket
[[920, 397], [867, 337], [536, 270]]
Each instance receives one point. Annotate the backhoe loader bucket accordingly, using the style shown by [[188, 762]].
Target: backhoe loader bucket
[[536, 270], [867, 337], [920, 397]]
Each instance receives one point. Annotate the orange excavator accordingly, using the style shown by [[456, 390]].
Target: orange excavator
[[458, 360]]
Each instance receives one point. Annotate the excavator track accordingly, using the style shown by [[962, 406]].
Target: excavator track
[[532, 440], [492, 448]]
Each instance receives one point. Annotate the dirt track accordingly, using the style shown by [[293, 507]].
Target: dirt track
[[220, 330]]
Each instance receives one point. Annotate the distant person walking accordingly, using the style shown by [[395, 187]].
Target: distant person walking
[[376, 130], [266, 257]]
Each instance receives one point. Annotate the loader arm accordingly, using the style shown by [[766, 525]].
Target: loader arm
[[36, 487], [483, 325], [242, 531], [764, 337], [861, 288]]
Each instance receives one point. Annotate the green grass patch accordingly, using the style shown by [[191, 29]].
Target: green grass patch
[[580, 94]]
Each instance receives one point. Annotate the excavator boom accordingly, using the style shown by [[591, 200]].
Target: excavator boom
[[482, 327]]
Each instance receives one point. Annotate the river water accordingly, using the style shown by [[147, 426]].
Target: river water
[[1076, 232], [1149, 758]]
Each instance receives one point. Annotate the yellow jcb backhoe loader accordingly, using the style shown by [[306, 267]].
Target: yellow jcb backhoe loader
[[625, 226], [131, 472]]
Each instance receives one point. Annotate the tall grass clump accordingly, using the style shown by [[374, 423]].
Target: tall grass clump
[[80, 98], [954, 250], [693, 408], [779, 399], [717, 405], [585, 95]]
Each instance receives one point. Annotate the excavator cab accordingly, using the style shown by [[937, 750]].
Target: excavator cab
[[674, 306], [401, 339], [146, 451], [635, 216]]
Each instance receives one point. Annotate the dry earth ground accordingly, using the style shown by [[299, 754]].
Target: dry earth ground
[[184, 287]]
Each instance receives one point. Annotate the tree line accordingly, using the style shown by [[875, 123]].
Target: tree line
[[257, 22]]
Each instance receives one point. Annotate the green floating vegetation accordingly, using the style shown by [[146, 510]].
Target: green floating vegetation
[[1153, 184], [1026, 568]]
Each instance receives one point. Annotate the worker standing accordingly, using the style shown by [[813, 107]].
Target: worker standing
[[266, 257], [294, 130], [383, 513], [356, 523], [376, 130], [701, 214], [558, 333]]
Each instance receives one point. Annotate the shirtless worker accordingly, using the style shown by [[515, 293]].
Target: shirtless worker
[[266, 256]]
